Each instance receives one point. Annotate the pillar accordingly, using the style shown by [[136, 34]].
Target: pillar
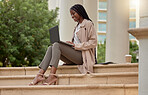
[[143, 49], [137, 14], [142, 35], [117, 38], [143, 13], [91, 7], [52, 4]]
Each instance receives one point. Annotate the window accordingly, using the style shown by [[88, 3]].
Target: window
[[132, 14], [102, 15], [132, 24], [102, 5], [131, 36], [101, 38], [102, 27]]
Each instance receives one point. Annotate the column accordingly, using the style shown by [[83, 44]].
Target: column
[[91, 7], [117, 38], [67, 24], [142, 35], [143, 66], [143, 13], [52, 4], [143, 49], [137, 14]]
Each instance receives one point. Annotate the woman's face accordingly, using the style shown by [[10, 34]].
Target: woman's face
[[75, 16]]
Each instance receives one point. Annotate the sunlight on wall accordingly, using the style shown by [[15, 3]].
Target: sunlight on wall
[[134, 4]]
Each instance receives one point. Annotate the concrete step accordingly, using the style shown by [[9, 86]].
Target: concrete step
[[101, 89], [77, 79], [125, 67]]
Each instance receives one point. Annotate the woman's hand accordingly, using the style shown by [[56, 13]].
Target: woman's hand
[[70, 43]]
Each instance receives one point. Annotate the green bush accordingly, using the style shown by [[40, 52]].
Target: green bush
[[24, 35], [133, 51], [101, 52]]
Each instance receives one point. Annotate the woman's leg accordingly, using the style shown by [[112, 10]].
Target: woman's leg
[[66, 61], [67, 54], [39, 77], [43, 67], [70, 55], [46, 60], [56, 53]]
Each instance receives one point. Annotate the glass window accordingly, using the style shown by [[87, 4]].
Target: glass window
[[132, 24], [132, 14], [102, 5], [101, 38], [102, 15], [131, 36], [102, 27]]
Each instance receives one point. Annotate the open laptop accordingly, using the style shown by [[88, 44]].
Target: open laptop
[[54, 36]]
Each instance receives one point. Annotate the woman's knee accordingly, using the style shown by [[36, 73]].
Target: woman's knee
[[56, 44], [49, 48]]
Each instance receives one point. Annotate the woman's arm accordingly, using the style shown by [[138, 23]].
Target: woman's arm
[[91, 43]]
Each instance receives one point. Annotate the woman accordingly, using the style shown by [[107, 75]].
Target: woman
[[82, 53]]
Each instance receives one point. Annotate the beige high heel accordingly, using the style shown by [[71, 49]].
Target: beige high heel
[[52, 82], [37, 79]]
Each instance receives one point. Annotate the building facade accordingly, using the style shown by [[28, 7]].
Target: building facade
[[102, 18]]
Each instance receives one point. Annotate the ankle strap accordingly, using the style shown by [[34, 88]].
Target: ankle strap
[[40, 74], [53, 75]]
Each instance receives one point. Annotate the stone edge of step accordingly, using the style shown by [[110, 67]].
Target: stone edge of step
[[92, 86], [75, 75], [73, 66]]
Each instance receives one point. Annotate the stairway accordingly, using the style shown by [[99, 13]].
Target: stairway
[[111, 79]]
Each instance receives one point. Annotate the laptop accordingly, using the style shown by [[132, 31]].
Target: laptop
[[54, 36]]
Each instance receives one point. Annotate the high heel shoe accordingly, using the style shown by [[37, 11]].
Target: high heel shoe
[[37, 79], [52, 81]]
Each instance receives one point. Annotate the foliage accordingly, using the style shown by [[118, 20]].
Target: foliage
[[134, 51], [101, 52], [24, 35]]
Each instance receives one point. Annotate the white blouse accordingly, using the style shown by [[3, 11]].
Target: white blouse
[[76, 39]]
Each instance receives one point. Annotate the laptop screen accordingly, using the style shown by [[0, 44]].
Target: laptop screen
[[54, 34]]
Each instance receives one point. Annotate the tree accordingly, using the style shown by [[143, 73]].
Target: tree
[[24, 35]]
